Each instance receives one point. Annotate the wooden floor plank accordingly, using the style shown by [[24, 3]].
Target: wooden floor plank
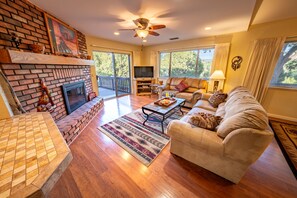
[[101, 168]]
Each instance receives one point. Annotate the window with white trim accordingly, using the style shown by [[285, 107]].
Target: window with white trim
[[188, 63]]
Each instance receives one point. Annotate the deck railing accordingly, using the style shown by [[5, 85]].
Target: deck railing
[[108, 82]]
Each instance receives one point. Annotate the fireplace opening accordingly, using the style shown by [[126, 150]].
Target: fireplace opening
[[74, 95]]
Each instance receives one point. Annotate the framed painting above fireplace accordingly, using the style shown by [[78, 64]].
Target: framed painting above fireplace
[[63, 38]]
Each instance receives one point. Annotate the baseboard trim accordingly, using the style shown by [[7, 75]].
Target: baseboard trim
[[282, 117]]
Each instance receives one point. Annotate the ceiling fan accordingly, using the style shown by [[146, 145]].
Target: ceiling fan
[[143, 29]]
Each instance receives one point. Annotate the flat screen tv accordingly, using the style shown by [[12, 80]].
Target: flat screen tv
[[143, 71]]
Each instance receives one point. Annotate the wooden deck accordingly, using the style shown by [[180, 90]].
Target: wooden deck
[[101, 168]]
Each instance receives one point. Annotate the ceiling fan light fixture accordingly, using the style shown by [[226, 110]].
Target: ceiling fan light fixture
[[142, 33], [116, 33]]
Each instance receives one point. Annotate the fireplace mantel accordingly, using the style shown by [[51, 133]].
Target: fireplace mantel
[[18, 57]]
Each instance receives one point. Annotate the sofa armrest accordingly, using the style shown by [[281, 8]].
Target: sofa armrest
[[206, 96], [246, 144], [197, 95], [197, 138], [161, 87]]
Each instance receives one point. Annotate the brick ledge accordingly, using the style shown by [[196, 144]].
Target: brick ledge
[[72, 125]]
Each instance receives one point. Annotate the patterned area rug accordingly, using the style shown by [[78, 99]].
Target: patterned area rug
[[287, 139], [143, 142]]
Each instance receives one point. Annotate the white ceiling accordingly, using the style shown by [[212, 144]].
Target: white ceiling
[[185, 19]]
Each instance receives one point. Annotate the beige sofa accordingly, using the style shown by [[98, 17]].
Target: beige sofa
[[239, 140], [191, 95]]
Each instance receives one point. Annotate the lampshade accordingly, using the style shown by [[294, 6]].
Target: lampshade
[[142, 33], [217, 75]]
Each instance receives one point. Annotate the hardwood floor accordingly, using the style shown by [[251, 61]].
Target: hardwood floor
[[101, 168]]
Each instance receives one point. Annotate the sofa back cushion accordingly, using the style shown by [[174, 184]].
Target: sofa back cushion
[[242, 111], [174, 82], [195, 84]]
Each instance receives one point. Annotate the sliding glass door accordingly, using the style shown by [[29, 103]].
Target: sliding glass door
[[113, 73]]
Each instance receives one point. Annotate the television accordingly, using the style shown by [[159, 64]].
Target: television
[[143, 71]]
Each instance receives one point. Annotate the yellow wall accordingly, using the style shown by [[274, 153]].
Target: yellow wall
[[4, 106], [280, 102], [99, 44]]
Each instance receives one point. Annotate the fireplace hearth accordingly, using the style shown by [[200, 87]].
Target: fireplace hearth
[[74, 95]]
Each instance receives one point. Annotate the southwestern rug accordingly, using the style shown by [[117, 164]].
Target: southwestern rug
[[286, 136], [144, 142]]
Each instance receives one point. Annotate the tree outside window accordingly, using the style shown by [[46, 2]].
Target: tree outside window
[[285, 72], [189, 63], [164, 64]]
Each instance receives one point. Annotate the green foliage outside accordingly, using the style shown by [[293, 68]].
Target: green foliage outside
[[185, 64], [122, 65], [104, 64], [285, 72], [164, 64]]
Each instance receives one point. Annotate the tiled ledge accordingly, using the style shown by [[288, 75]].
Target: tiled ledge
[[33, 155]]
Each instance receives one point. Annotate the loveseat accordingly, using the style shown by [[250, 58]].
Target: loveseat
[[192, 94], [236, 143]]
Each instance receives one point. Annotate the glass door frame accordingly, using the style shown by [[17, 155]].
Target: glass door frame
[[115, 73], [114, 70]]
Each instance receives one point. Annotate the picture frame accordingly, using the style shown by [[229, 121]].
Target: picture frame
[[63, 38]]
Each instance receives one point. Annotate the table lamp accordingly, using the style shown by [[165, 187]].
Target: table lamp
[[217, 76]]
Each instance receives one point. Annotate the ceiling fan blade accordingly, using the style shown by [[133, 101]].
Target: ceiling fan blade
[[136, 22], [154, 33], [135, 35], [126, 29], [156, 27]]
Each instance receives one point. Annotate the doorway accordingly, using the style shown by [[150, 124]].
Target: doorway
[[113, 74]]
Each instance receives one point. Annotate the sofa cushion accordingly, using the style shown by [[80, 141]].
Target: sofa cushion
[[245, 112], [248, 119], [185, 95], [202, 84], [204, 104], [221, 110], [191, 90], [174, 82], [181, 86], [198, 110], [195, 84], [170, 92], [237, 94], [205, 120], [195, 111], [217, 98]]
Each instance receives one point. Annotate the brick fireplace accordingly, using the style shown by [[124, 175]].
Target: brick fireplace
[[25, 79], [24, 71]]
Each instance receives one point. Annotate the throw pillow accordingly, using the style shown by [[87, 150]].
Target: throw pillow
[[205, 120], [181, 86], [217, 98]]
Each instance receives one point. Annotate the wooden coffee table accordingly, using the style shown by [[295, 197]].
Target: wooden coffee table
[[163, 111]]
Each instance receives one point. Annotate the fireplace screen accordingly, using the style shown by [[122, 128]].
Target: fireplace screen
[[74, 95]]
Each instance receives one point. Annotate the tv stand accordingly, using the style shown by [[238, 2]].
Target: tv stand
[[143, 87]]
